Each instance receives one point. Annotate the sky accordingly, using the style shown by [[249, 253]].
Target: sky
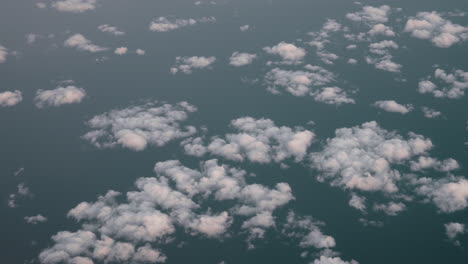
[[233, 131]]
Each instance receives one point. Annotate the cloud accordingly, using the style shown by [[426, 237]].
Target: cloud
[[381, 30], [188, 64], [394, 107], [256, 140], [75, 6], [370, 14], [308, 231], [121, 50], [140, 52], [35, 219], [120, 230], [441, 32], [361, 157], [358, 202], [59, 96], [391, 208], [298, 83], [332, 260], [453, 230], [449, 194], [240, 59], [332, 95], [382, 47], [3, 54], [22, 192], [79, 42], [384, 63], [136, 127], [290, 53], [453, 84], [430, 113], [244, 28], [163, 24], [111, 30], [8, 98]]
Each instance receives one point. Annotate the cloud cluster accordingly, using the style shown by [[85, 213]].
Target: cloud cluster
[[371, 15], [432, 26], [8, 98], [74, 6], [240, 59], [394, 107], [137, 127], [188, 64], [290, 53], [453, 230], [449, 85], [79, 42], [308, 231], [332, 95], [173, 200], [59, 96], [256, 140], [163, 24]]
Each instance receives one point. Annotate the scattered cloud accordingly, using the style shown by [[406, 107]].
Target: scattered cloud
[[394, 107], [453, 230], [111, 30], [9, 98], [163, 24], [430, 113], [59, 96], [36, 219], [371, 15], [240, 59], [121, 50], [3, 54], [79, 42], [244, 28], [74, 6], [188, 64], [290, 53], [450, 85]]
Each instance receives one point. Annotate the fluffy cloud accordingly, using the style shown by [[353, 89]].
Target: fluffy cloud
[[21, 192], [74, 6], [381, 29], [453, 230], [158, 207], [121, 50], [441, 32], [308, 231], [137, 127], [163, 24], [361, 157], [59, 96], [244, 28], [256, 140], [430, 113], [79, 42], [188, 64], [240, 59], [298, 83], [290, 53], [3, 54], [449, 194], [371, 15], [384, 63], [111, 30], [8, 98], [140, 52], [391, 208], [394, 107], [35, 219], [358, 202], [332, 95], [453, 84], [332, 260]]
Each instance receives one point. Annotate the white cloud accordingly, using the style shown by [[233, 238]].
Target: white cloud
[[244, 28], [137, 127], [21, 192], [79, 42], [9, 98], [298, 83], [74, 6], [430, 113], [140, 52], [257, 140], [308, 231], [449, 194], [394, 107], [111, 30], [332, 95], [441, 32], [163, 24], [240, 59], [332, 260], [3, 54], [35, 219], [188, 64], [453, 230], [371, 15], [451, 85], [358, 202], [381, 29], [287, 51], [382, 47], [384, 63], [424, 163], [121, 50], [391, 208], [59, 96]]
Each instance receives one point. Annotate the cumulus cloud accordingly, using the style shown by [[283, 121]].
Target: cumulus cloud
[[381, 30], [361, 157], [36, 219], [371, 15], [119, 232], [332, 95], [453, 230], [140, 52], [449, 85], [391, 208], [333, 260], [290, 53], [432, 26], [240, 59], [59, 96], [384, 63], [256, 140], [430, 113], [79, 42], [121, 50], [358, 202], [9, 98], [394, 107], [244, 28], [21, 192], [308, 231], [111, 30], [3, 54], [188, 64], [298, 83], [75, 6], [163, 24], [136, 127]]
